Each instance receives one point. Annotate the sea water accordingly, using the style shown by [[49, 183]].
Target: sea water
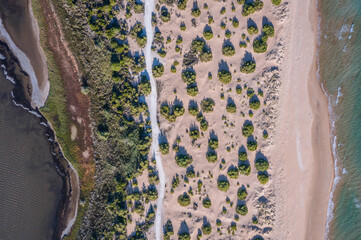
[[339, 58]]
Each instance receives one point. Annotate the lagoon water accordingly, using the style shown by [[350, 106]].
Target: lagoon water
[[340, 72]]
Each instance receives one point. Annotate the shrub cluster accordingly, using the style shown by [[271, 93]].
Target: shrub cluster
[[231, 107], [242, 194], [233, 172], [212, 157], [207, 105], [251, 7], [164, 148], [184, 199], [158, 70], [171, 114], [224, 76], [213, 143], [183, 160], [189, 76], [244, 169], [242, 156], [254, 103], [223, 185], [206, 229], [242, 209], [228, 50], [207, 203], [263, 178], [248, 67], [252, 145], [247, 130], [252, 29], [262, 164]]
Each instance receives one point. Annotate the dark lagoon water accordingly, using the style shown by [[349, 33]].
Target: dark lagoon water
[[340, 72]]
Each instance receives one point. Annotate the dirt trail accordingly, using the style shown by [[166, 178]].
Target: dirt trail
[[152, 104]]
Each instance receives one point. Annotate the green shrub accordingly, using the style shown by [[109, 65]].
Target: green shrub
[[242, 209], [239, 89], [213, 143], [164, 148], [231, 108], [249, 8], [158, 70], [194, 134], [196, 12], [242, 194], [265, 135], [199, 117], [208, 34], [139, 208], [244, 169], [241, 2], [224, 76], [223, 10], [254, 103], [165, 14], [204, 125], [184, 236], [252, 145], [228, 50], [235, 22], [276, 2], [263, 178], [243, 45], [252, 29], [145, 85], [206, 56], [247, 129], [175, 181], [178, 110], [192, 90], [262, 164], [242, 156], [268, 30], [206, 229], [183, 160], [223, 185], [193, 110], [162, 53], [182, 26], [259, 46], [212, 157], [173, 69], [184, 200], [189, 76], [207, 105], [233, 173], [207, 203], [198, 45], [190, 173], [228, 34], [248, 67], [182, 4], [250, 92]]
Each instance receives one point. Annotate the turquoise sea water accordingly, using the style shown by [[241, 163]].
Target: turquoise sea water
[[340, 73]]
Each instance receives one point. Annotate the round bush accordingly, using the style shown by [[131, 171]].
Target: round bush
[[262, 164], [193, 110], [259, 46], [247, 130], [235, 23], [196, 12], [183, 160], [242, 156], [239, 89], [254, 104], [231, 108], [252, 145], [190, 173], [252, 29], [233, 173], [248, 67], [204, 125], [223, 185], [158, 70], [242, 210], [206, 229], [184, 236], [224, 76], [208, 34], [206, 56], [244, 169], [189, 76], [263, 178], [194, 134], [207, 105], [276, 2], [213, 143], [207, 203], [268, 30], [212, 157], [184, 200], [164, 148], [242, 194], [192, 90], [228, 50], [250, 92]]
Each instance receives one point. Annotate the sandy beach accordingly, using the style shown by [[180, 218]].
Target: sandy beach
[[296, 117], [303, 144]]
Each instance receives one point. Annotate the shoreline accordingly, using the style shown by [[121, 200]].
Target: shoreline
[[307, 155], [64, 167]]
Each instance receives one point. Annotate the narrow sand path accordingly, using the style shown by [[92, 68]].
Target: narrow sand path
[[152, 104]]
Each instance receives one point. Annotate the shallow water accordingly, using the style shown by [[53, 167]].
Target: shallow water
[[340, 71], [30, 185]]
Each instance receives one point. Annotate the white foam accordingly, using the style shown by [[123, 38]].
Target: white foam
[[357, 203], [344, 171], [38, 97], [343, 29], [339, 94], [2, 57]]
